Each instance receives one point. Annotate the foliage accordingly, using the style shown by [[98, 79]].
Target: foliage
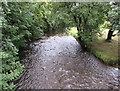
[[51, 17], [106, 24], [88, 17], [72, 31], [114, 16], [18, 27], [24, 25], [114, 19]]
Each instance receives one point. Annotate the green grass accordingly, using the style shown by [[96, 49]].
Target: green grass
[[73, 31], [107, 51]]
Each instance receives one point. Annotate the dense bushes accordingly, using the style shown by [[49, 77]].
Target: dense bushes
[[18, 27]]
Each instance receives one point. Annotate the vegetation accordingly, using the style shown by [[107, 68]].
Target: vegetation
[[72, 31], [18, 27], [23, 22], [114, 19], [107, 51], [88, 17]]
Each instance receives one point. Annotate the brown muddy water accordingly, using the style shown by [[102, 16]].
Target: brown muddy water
[[58, 62]]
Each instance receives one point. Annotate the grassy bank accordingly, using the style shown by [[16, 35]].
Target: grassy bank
[[107, 51]]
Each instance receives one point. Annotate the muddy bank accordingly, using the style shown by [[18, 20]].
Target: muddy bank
[[58, 62]]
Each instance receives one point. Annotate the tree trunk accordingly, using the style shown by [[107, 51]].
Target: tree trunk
[[109, 36]]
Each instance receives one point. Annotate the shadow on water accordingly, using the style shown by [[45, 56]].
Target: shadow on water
[[59, 62]]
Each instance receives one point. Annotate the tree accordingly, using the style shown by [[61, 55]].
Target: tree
[[114, 19], [87, 17], [52, 17]]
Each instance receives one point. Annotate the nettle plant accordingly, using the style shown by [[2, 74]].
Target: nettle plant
[[11, 68], [18, 27]]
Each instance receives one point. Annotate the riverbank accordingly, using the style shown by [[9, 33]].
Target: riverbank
[[107, 51]]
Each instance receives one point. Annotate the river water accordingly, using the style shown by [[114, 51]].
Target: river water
[[58, 62]]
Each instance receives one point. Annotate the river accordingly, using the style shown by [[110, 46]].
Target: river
[[58, 62]]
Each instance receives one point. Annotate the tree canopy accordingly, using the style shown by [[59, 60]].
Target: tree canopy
[[114, 19]]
